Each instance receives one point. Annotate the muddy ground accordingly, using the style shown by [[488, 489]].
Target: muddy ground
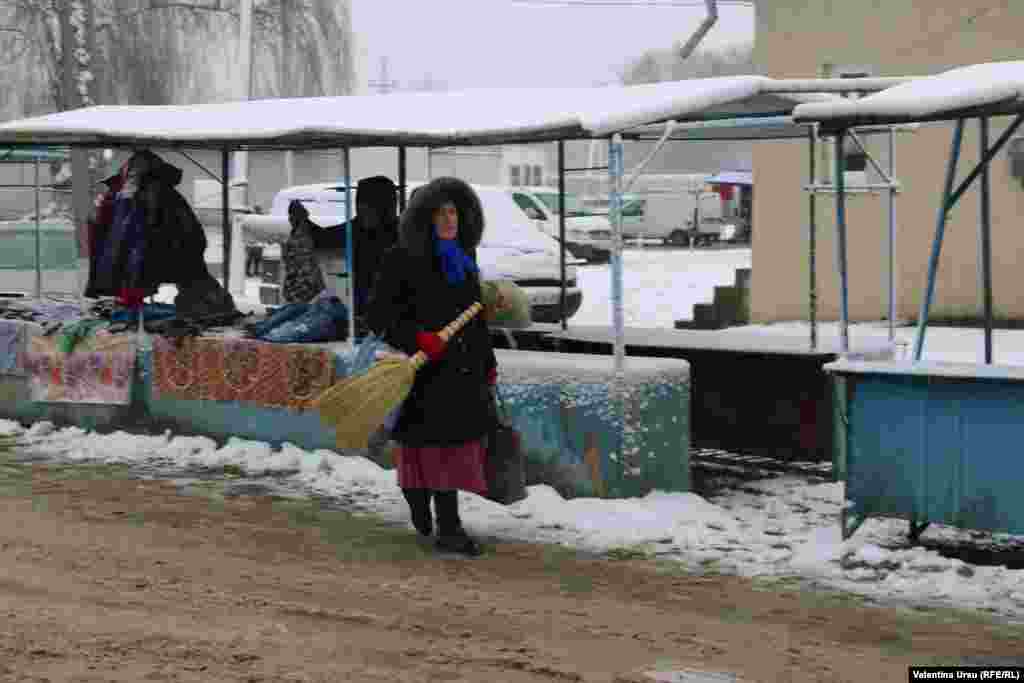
[[105, 578]]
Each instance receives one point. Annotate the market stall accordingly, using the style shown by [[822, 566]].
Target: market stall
[[218, 383]]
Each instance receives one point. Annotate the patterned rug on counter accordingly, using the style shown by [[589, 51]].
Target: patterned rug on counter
[[13, 345], [99, 370], [242, 370]]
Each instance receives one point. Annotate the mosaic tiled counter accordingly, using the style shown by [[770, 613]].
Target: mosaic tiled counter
[[577, 436], [583, 440]]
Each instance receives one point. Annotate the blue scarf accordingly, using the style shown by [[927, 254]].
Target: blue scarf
[[454, 261]]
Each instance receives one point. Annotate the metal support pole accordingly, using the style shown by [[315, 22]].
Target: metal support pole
[[39, 249], [561, 230], [350, 271], [985, 241], [615, 172], [892, 235], [402, 172], [225, 194], [844, 294], [940, 229], [985, 159], [812, 238]]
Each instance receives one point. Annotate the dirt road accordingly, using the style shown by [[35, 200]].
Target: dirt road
[[110, 579]]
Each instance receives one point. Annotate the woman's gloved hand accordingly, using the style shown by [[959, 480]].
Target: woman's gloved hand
[[431, 344], [492, 376]]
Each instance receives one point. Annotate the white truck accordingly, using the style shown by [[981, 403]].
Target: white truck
[[512, 248], [670, 216]]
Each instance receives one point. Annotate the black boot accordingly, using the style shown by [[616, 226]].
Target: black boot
[[419, 509], [451, 537]]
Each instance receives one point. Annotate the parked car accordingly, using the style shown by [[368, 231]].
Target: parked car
[[587, 235], [512, 248]]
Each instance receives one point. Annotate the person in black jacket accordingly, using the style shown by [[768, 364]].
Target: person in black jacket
[[375, 230], [426, 282]]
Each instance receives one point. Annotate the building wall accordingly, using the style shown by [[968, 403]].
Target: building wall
[[890, 37]]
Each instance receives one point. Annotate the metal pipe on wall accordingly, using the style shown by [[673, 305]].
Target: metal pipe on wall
[[844, 294], [985, 241]]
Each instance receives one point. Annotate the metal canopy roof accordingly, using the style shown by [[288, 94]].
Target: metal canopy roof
[[472, 117], [991, 89]]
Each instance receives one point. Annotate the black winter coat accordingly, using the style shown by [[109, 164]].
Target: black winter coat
[[450, 402], [369, 247]]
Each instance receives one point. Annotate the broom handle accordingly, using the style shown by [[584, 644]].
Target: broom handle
[[450, 330]]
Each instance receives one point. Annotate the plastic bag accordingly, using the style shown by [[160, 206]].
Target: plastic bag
[[372, 348]]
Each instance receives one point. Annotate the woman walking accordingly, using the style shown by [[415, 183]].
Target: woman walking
[[425, 282]]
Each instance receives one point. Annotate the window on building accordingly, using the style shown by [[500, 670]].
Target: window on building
[[858, 168], [513, 175], [538, 175]]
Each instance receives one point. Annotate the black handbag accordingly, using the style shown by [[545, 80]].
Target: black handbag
[[506, 462]]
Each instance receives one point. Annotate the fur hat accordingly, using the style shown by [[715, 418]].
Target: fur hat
[[416, 229]]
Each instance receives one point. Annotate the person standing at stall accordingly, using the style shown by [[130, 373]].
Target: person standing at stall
[[374, 232], [425, 282]]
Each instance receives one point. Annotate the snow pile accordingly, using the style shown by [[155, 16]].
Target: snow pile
[[779, 527]]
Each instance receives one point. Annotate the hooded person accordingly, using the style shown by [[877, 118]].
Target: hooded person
[[424, 283], [375, 230], [155, 238]]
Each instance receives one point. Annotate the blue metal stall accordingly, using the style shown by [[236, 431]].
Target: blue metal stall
[[924, 441]]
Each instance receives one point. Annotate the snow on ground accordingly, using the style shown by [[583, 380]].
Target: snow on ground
[[659, 286], [776, 528]]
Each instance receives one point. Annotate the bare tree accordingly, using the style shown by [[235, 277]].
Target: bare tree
[[164, 51], [665, 65]]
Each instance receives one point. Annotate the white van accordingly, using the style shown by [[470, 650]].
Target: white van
[[587, 234], [512, 248]]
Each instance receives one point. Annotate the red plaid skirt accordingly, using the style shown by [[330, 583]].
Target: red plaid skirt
[[444, 468]]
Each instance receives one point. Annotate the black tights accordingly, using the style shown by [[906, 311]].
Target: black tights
[[446, 506]]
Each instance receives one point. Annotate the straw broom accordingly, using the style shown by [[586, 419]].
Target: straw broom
[[357, 406]]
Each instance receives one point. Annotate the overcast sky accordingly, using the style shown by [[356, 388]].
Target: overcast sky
[[501, 43]]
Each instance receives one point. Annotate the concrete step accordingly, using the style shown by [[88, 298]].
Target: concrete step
[[704, 317], [727, 305]]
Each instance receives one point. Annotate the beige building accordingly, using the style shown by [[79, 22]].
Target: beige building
[[796, 38]]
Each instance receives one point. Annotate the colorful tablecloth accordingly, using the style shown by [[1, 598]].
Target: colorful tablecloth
[[99, 370], [223, 369]]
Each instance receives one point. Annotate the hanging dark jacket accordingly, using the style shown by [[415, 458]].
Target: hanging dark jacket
[[154, 236], [450, 399]]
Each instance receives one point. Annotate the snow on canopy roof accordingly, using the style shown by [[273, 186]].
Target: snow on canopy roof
[[978, 90], [485, 116], [732, 178]]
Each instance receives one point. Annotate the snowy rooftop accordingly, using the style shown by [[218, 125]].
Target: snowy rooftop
[[980, 89], [484, 116]]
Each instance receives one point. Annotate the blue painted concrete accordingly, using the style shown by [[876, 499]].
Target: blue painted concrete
[[936, 449], [573, 437]]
